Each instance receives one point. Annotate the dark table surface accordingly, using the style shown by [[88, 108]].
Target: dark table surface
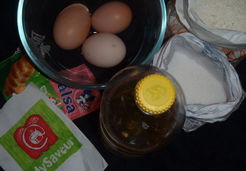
[[220, 146]]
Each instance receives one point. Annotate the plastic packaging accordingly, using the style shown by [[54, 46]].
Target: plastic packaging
[[142, 109], [199, 114], [36, 135]]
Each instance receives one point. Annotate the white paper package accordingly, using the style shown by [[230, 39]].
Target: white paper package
[[36, 135], [199, 114]]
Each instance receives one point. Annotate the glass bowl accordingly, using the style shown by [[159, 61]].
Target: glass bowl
[[142, 38]]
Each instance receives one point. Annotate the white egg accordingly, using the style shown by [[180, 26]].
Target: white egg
[[104, 50]]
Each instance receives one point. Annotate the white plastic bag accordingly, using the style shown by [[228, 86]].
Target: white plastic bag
[[223, 38], [197, 115], [36, 135]]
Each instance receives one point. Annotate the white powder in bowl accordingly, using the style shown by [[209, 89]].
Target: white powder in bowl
[[200, 79], [222, 14]]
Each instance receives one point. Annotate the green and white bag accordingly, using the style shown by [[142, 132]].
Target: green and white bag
[[36, 135]]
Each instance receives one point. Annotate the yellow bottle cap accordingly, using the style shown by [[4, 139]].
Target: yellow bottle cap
[[155, 94]]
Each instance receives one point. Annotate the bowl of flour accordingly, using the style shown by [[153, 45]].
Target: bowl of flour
[[220, 22]]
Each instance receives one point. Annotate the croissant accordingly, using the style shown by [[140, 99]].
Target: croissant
[[19, 74]]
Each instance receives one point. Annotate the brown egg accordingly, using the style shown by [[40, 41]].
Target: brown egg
[[112, 17], [72, 26]]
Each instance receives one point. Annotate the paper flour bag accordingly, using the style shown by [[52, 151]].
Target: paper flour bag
[[36, 135], [210, 84]]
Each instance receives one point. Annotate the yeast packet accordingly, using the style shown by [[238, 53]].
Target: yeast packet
[[36, 135], [17, 72]]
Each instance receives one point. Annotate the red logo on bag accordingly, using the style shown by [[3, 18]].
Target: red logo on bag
[[35, 136]]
